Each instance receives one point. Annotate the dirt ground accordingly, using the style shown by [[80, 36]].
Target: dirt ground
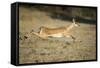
[[36, 50]]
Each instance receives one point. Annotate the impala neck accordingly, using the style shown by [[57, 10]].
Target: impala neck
[[70, 27]]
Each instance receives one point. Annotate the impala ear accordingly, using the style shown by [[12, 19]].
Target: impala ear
[[73, 20]]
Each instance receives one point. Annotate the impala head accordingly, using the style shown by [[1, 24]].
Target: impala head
[[74, 23]]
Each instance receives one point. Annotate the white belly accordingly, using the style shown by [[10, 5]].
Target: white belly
[[56, 35]]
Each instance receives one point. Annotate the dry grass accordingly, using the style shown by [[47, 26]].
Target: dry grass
[[36, 50]]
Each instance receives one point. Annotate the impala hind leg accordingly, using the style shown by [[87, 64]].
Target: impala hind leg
[[39, 35]]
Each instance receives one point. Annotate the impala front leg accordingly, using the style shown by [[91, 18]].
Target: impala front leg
[[73, 37], [70, 36]]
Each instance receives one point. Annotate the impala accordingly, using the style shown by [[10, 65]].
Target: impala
[[46, 32]]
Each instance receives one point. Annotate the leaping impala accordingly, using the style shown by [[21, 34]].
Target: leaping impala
[[46, 32]]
